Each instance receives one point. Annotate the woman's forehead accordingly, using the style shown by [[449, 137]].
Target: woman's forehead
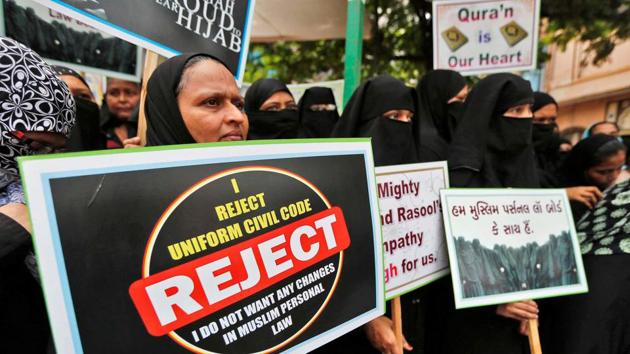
[[210, 73]]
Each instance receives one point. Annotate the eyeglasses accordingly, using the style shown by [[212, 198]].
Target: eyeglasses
[[37, 146]]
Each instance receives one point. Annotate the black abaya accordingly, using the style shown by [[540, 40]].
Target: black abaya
[[487, 151], [392, 143]]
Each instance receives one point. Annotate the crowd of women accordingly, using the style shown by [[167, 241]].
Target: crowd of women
[[495, 134]]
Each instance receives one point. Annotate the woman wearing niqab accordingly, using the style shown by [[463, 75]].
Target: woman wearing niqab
[[382, 108], [393, 141], [439, 112], [318, 112], [86, 134], [547, 143], [268, 124], [490, 149]]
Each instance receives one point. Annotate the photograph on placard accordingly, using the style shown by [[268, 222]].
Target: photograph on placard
[[511, 245], [63, 40]]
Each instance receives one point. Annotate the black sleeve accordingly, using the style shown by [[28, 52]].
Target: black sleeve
[[464, 178], [12, 235], [578, 210]]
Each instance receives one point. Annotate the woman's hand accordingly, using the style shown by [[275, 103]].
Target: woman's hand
[[523, 328], [132, 142], [588, 196], [521, 311], [380, 332], [19, 213]]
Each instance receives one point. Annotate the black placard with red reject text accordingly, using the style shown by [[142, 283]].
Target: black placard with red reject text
[[266, 252]]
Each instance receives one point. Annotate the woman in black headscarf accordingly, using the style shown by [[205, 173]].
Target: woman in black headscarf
[[271, 110], [193, 98], [441, 96], [318, 112], [599, 321], [595, 161], [493, 144], [381, 108], [548, 144], [492, 148], [86, 134]]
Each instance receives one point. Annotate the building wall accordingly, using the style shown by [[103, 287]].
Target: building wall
[[588, 94]]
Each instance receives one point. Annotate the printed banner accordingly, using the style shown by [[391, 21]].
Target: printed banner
[[509, 245], [171, 27], [481, 37], [414, 247], [210, 248], [63, 40]]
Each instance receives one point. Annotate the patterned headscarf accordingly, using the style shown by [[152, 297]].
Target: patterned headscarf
[[32, 98], [606, 229]]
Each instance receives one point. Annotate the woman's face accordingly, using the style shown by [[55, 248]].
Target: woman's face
[[78, 88], [42, 142], [604, 174], [546, 114], [122, 97], [401, 115], [461, 95], [211, 104], [520, 111], [279, 101], [605, 128]]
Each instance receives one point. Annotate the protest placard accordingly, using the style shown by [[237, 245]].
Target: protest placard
[[509, 245], [222, 247], [481, 37], [63, 40], [170, 27], [414, 247]]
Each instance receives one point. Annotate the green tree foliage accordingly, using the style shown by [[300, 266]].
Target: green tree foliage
[[401, 40], [601, 23]]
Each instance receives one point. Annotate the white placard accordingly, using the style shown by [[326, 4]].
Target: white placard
[[481, 37], [509, 245], [413, 235]]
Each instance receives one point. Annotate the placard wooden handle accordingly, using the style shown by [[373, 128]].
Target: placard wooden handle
[[534, 339], [397, 320]]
